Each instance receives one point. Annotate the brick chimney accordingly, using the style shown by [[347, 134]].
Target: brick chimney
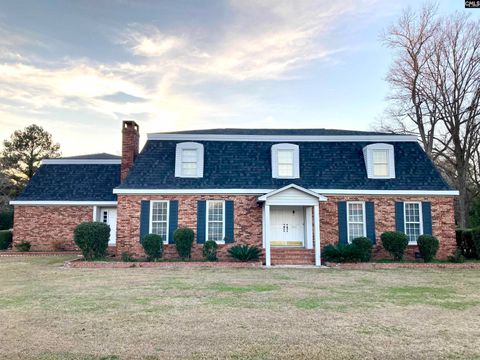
[[130, 141]]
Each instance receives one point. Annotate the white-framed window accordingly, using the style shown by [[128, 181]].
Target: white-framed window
[[216, 221], [189, 160], [413, 221], [380, 161], [285, 161], [356, 224], [159, 214]]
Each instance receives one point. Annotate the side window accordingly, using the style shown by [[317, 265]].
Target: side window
[[413, 221], [159, 219], [356, 220], [285, 161], [216, 221], [189, 160]]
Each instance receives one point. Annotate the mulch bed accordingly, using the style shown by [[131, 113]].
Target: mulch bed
[[38, 253], [374, 265], [80, 263]]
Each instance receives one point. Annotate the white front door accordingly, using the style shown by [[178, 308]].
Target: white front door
[[109, 216], [287, 226]]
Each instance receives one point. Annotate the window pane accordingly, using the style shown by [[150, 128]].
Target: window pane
[[355, 230], [380, 169], [355, 212], [159, 219], [380, 156], [355, 221], [285, 156], [189, 155], [285, 170], [412, 212], [413, 231], [189, 169], [215, 221]]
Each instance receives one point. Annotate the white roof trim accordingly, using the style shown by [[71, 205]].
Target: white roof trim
[[79, 161], [292, 186], [55, 202], [265, 191], [282, 138]]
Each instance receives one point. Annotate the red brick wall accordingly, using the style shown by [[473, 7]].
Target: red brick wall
[[43, 226], [248, 220], [443, 222]]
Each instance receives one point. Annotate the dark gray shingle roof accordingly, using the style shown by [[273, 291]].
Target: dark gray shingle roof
[[312, 132]]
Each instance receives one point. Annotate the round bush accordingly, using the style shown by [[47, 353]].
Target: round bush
[[23, 246], [428, 247], [5, 239], [153, 246], [331, 253], [183, 238], [210, 250], [362, 249], [6, 219], [395, 243], [92, 239]]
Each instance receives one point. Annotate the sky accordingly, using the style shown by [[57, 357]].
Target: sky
[[78, 68]]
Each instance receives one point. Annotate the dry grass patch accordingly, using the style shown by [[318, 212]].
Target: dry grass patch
[[49, 312]]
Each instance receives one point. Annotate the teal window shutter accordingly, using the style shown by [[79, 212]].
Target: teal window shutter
[[172, 219], [144, 218], [399, 217], [370, 218], [201, 219], [342, 222], [229, 221], [427, 217]]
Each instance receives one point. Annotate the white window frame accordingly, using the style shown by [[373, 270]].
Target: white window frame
[[206, 220], [178, 159], [420, 215], [150, 222], [368, 156], [296, 160], [364, 219]]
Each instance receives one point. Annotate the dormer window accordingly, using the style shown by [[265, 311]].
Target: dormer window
[[380, 161], [285, 161], [189, 160]]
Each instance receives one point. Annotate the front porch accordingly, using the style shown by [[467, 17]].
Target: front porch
[[291, 226]]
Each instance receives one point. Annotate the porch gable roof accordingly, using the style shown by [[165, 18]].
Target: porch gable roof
[[308, 193]]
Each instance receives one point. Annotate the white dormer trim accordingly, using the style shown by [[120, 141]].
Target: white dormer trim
[[178, 159], [296, 160], [368, 156]]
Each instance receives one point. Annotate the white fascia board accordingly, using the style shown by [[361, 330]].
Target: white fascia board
[[266, 191], [55, 202], [283, 138], [189, 191], [387, 192], [79, 161], [292, 186]]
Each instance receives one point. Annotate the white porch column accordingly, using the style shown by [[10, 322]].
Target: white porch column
[[267, 236], [316, 220], [308, 228], [95, 213]]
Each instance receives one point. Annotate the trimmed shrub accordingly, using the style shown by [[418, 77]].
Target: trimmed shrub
[[23, 246], [153, 246], [362, 249], [244, 252], [359, 250], [183, 238], [395, 243], [127, 257], [210, 250], [456, 257], [466, 243], [92, 239], [6, 219], [428, 247], [476, 241], [5, 239]]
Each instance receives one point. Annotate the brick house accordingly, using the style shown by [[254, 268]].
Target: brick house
[[290, 192]]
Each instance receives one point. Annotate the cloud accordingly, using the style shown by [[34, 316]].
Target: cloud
[[165, 79]]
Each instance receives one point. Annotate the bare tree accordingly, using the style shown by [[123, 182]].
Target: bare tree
[[435, 82]]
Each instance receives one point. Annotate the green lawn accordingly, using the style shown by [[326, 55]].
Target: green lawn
[[48, 312]]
